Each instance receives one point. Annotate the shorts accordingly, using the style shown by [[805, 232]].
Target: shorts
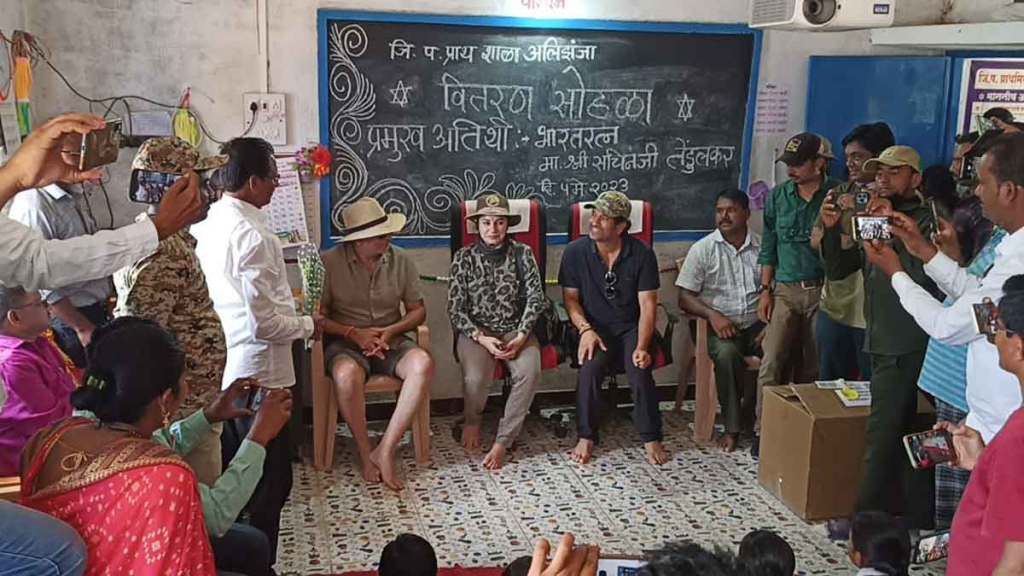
[[400, 346]]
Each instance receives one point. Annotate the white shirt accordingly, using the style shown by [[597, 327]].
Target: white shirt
[[725, 278], [245, 272], [29, 260], [55, 214], [992, 393]]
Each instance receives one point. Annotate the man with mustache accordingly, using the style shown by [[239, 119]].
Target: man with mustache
[[719, 282], [791, 273]]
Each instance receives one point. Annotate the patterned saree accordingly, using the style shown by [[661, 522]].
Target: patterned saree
[[134, 502]]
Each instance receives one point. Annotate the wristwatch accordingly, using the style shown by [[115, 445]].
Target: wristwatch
[[765, 288]]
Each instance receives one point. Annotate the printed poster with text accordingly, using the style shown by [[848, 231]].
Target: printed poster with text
[[997, 83]]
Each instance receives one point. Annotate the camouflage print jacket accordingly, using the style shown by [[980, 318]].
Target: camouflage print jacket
[[496, 294], [169, 288]]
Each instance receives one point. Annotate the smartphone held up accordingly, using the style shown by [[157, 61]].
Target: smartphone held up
[[929, 448], [97, 148]]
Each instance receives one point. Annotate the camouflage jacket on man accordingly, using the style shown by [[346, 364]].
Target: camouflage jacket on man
[[169, 288]]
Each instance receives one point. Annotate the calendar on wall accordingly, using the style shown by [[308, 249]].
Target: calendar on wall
[[287, 209]]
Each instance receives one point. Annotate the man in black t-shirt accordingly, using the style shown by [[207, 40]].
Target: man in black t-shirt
[[610, 288]]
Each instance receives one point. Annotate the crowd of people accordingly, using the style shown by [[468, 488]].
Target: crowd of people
[[152, 438]]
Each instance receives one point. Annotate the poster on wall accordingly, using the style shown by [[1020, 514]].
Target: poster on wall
[[990, 83]]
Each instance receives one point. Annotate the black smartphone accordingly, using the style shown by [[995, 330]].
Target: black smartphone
[[100, 147], [861, 199], [926, 449]]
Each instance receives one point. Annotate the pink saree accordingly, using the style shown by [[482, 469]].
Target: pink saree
[[134, 502]]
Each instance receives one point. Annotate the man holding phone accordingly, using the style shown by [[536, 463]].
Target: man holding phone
[[987, 536], [991, 393], [894, 341], [31, 261], [169, 288]]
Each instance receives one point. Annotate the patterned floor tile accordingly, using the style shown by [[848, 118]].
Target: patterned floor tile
[[335, 522]]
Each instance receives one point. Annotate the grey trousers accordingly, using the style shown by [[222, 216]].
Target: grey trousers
[[478, 377]]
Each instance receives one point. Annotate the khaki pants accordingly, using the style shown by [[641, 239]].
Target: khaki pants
[[478, 376], [205, 457], [789, 349]]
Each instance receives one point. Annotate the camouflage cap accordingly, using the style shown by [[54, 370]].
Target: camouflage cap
[[612, 204], [172, 155]]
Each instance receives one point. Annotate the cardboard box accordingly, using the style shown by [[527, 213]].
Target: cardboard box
[[812, 449]]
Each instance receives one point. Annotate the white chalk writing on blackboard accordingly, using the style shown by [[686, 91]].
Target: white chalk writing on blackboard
[[464, 135], [552, 51], [400, 49], [487, 98], [398, 139], [591, 137], [626, 104], [608, 160], [687, 159], [459, 54]]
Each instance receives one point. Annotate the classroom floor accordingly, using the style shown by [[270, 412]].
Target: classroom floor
[[335, 523]]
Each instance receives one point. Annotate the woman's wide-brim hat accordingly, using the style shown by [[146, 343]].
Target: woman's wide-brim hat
[[365, 218], [494, 205]]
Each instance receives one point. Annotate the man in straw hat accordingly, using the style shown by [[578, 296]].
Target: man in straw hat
[[495, 297], [610, 287], [169, 288], [368, 282], [245, 271]]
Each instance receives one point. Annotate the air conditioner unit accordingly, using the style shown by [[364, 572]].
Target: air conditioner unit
[[821, 14]]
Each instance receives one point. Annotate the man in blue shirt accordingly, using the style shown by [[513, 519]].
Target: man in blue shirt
[[610, 288]]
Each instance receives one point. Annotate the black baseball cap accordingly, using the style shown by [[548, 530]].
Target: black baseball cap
[[803, 147]]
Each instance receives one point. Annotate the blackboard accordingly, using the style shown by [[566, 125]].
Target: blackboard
[[424, 112]]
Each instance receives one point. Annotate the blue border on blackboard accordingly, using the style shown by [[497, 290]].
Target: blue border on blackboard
[[324, 15]]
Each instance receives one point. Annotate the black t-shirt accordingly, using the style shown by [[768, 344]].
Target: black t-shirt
[[610, 311]]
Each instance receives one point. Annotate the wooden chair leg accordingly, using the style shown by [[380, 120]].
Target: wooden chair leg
[[320, 405], [707, 395], [421, 431], [331, 433]]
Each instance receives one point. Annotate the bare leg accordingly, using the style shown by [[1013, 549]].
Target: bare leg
[[350, 388], [416, 369], [471, 437], [583, 451]]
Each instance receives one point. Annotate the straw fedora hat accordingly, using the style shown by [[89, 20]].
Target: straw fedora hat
[[365, 218], [494, 205]]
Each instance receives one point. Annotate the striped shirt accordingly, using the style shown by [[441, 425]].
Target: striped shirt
[[944, 372]]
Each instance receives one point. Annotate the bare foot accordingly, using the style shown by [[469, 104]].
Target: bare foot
[[656, 453], [495, 459], [386, 464], [583, 451], [371, 473], [727, 442], [471, 437]]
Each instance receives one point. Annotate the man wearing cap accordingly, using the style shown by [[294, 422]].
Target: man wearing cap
[[243, 262], [169, 288], [78, 309], [791, 274], [894, 341], [495, 297], [610, 288], [368, 283]]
